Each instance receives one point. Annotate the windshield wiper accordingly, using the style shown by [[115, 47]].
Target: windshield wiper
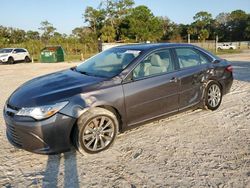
[[87, 73], [82, 72]]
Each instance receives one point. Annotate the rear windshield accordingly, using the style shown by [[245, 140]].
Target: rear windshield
[[108, 63]]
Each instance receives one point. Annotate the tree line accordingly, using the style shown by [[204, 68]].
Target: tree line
[[121, 20], [35, 41]]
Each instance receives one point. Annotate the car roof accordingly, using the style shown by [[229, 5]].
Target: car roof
[[13, 48], [153, 46]]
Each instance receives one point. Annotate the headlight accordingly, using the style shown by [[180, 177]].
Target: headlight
[[42, 112]]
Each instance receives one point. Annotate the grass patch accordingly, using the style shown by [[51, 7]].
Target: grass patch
[[222, 52], [72, 58], [67, 58]]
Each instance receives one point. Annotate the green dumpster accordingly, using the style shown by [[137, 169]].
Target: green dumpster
[[52, 54]]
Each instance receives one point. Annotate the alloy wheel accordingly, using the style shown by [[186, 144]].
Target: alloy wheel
[[214, 95], [98, 133]]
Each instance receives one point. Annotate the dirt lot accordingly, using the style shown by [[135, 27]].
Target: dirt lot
[[193, 149]]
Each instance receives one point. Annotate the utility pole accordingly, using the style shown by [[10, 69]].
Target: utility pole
[[188, 38], [216, 43]]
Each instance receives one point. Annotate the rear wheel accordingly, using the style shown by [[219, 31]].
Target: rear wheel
[[96, 131], [213, 95], [27, 59], [11, 60]]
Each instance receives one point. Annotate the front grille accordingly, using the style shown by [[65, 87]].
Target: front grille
[[13, 136]]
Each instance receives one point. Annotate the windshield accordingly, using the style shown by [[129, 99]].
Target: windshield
[[4, 50], [109, 63]]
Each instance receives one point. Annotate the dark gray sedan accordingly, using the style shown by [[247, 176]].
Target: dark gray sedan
[[86, 106]]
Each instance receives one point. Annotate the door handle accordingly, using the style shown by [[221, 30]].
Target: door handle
[[174, 80]]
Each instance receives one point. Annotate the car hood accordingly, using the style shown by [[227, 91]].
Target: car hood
[[4, 54], [52, 88]]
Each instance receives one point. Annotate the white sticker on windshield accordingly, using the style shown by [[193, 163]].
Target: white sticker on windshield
[[135, 52]]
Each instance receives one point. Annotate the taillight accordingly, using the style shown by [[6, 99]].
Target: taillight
[[229, 68]]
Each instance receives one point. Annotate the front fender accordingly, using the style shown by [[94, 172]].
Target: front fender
[[80, 103]]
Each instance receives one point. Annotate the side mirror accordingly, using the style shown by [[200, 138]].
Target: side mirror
[[14, 52], [216, 61], [129, 78]]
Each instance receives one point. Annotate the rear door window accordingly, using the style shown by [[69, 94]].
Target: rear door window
[[204, 60], [22, 50], [187, 57]]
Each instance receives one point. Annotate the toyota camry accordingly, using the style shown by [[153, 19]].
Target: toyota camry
[[88, 105]]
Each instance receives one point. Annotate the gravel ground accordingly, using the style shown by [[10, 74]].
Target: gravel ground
[[192, 149]]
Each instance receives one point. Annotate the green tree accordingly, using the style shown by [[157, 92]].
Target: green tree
[[183, 31], [192, 30], [247, 32], [95, 18], [78, 32], [237, 24], [108, 33], [48, 31], [203, 24], [203, 34], [116, 11], [33, 35], [166, 27], [247, 29], [4, 35], [202, 19], [222, 26], [84, 35], [109, 13], [143, 25], [223, 18], [58, 38], [17, 35]]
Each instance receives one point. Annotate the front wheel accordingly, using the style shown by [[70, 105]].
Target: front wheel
[[96, 131], [11, 60], [213, 95]]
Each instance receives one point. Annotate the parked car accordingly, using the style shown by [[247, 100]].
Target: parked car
[[12, 55], [87, 105], [226, 46]]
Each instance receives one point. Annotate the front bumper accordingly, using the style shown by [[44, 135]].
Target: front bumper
[[4, 59], [48, 136]]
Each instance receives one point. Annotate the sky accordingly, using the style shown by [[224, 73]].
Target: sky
[[65, 15]]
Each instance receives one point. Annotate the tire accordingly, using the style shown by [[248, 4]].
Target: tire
[[11, 60], [95, 131], [213, 95], [219, 48], [27, 59], [230, 48]]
